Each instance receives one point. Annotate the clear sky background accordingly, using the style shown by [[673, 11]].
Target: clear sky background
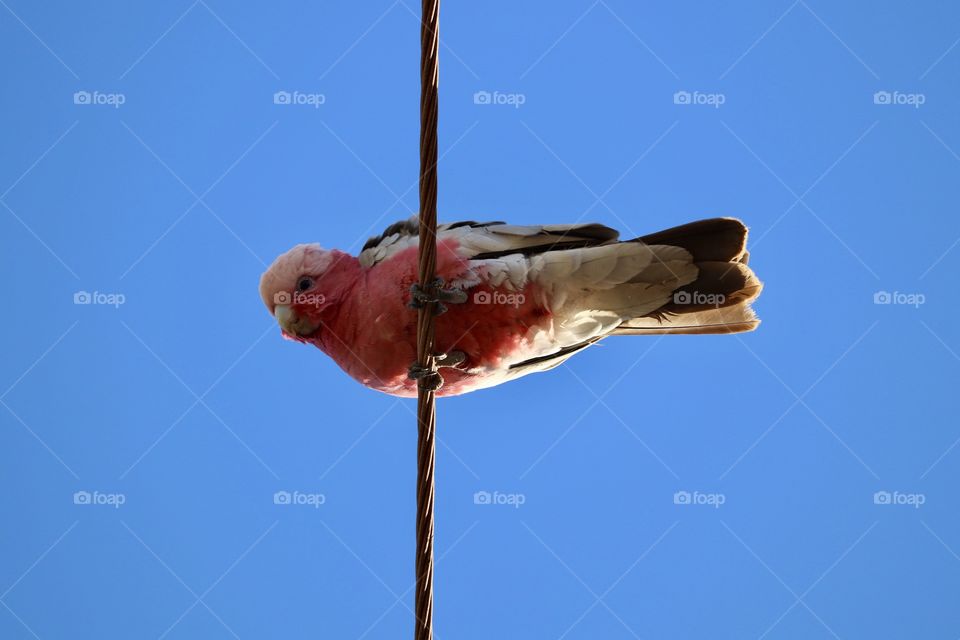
[[173, 402]]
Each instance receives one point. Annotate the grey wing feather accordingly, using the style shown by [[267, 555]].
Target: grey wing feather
[[488, 240]]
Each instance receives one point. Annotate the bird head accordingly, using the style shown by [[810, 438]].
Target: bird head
[[299, 286]]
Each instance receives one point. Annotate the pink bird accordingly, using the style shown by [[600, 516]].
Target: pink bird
[[521, 299]]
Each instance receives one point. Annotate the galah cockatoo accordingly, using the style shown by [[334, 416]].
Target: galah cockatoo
[[526, 298]]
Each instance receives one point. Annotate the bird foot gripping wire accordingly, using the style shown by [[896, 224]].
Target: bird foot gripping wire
[[429, 378], [435, 292]]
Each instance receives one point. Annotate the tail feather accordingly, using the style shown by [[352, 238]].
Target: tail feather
[[737, 319], [718, 299], [712, 240], [718, 285]]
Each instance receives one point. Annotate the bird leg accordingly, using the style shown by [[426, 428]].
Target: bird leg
[[420, 296]]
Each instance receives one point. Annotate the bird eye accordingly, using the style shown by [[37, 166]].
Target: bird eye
[[304, 283]]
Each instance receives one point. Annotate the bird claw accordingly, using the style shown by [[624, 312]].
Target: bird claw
[[452, 359], [429, 378], [421, 297]]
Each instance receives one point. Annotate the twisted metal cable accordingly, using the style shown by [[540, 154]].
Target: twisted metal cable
[[426, 399]]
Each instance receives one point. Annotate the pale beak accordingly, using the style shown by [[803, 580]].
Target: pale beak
[[289, 321]]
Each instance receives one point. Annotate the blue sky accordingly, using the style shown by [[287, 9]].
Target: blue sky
[[684, 487]]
